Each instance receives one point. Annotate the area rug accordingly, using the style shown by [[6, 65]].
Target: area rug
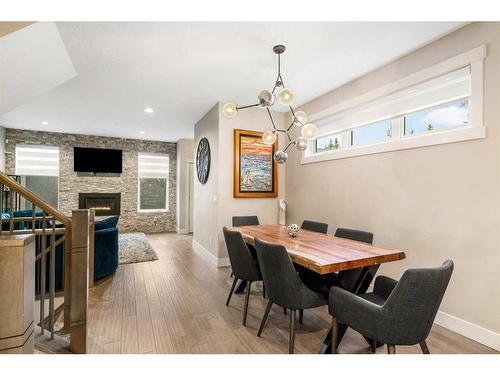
[[135, 248]]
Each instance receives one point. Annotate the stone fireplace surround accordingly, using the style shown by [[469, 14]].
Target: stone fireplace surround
[[71, 183]]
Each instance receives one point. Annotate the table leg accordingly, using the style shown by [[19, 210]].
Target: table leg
[[360, 286]]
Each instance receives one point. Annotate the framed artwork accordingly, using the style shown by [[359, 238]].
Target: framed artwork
[[255, 171]]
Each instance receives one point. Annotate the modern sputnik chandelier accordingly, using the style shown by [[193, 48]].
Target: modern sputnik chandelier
[[309, 131]]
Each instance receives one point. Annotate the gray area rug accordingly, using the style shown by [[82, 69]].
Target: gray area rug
[[135, 248]]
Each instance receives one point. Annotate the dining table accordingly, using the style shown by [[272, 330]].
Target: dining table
[[354, 262]]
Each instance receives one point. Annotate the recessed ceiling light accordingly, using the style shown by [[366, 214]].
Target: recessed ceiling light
[[45, 123], [148, 110], [141, 132]]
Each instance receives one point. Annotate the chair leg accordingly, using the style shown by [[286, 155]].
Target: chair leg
[[301, 315], [264, 318], [284, 310], [391, 349], [335, 330], [231, 291], [263, 290], [374, 346], [425, 349], [247, 297], [292, 331]]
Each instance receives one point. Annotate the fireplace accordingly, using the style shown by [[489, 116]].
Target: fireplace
[[105, 204]]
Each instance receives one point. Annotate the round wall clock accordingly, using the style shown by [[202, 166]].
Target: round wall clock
[[203, 160]]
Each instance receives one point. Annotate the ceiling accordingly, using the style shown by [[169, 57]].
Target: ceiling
[[182, 69]]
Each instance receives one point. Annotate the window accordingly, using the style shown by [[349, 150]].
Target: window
[[440, 104], [443, 117], [153, 182], [372, 133], [38, 167]]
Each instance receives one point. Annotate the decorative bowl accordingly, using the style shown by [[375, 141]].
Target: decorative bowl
[[293, 229]]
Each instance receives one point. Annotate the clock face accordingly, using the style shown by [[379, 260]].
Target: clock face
[[203, 160]]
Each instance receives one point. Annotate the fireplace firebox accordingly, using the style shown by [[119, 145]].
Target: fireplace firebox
[[105, 204]]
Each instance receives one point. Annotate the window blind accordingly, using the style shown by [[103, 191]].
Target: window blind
[[34, 160], [446, 88], [153, 165]]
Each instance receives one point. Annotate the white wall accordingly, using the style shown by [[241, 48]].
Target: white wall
[[185, 153], [433, 202]]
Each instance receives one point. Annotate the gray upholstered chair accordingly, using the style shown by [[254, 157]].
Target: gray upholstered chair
[[315, 226], [245, 266], [396, 312], [239, 221], [284, 286], [355, 235]]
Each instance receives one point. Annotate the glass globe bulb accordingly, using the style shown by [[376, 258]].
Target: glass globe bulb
[[280, 156], [300, 118], [229, 110], [269, 137], [266, 98], [309, 131], [286, 97], [300, 144]]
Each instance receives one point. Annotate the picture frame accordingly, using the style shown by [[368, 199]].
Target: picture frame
[[255, 171]]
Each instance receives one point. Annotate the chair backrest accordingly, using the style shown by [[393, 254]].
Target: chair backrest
[[355, 235], [414, 303], [239, 221], [243, 264], [283, 284], [315, 226], [349, 278]]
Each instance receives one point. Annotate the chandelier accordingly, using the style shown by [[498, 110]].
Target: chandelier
[[266, 99]]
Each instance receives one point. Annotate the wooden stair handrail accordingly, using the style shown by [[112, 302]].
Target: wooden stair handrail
[[33, 198]]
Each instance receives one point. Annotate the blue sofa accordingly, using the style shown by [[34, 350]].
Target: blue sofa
[[106, 247]]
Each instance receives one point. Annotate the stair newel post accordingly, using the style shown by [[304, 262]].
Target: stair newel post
[[80, 243]]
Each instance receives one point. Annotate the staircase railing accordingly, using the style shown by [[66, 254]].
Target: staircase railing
[[56, 235]]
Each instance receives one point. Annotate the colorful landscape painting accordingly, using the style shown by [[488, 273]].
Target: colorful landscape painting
[[256, 166]]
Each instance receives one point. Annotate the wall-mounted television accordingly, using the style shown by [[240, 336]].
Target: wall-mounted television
[[97, 160]]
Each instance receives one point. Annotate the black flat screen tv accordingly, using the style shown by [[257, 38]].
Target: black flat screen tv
[[97, 160]]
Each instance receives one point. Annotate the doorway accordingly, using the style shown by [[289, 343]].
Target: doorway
[[190, 195]]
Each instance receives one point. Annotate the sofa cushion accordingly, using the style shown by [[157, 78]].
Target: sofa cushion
[[109, 222]]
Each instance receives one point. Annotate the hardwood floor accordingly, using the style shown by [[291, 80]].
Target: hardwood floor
[[177, 305]]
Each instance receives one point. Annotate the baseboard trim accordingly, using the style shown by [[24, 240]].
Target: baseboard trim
[[217, 262], [468, 329]]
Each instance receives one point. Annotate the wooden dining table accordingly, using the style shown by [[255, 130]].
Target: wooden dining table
[[356, 262]]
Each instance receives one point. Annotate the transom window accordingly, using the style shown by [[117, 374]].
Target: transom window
[[153, 182], [441, 104]]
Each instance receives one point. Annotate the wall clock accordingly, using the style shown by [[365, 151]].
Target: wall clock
[[203, 160]]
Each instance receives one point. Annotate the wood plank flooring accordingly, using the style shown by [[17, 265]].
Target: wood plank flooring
[[177, 305]]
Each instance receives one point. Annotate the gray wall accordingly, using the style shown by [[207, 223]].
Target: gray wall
[[126, 183], [434, 202], [2, 149], [205, 209]]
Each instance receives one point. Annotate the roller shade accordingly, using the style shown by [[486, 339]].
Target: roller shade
[[37, 160], [443, 89], [153, 166]]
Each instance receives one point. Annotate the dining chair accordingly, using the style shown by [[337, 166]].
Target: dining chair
[[239, 221], [245, 266], [355, 235], [284, 286], [314, 226], [396, 312]]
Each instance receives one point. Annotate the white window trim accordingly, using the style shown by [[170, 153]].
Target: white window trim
[[167, 190], [475, 130]]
